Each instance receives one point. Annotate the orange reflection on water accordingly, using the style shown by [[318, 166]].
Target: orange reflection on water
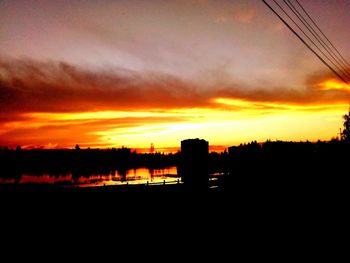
[[145, 175], [7, 180], [45, 179], [132, 176]]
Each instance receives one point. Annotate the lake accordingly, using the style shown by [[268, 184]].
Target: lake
[[132, 176]]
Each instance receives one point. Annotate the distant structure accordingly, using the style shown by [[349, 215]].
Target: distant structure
[[151, 150], [194, 163], [232, 150]]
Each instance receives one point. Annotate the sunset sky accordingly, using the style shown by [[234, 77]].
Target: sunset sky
[[135, 72]]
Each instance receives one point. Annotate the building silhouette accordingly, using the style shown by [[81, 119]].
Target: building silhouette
[[194, 163], [151, 150]]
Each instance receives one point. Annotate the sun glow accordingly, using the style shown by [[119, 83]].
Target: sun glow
[[258, 105], [334, 84], [227, 122]]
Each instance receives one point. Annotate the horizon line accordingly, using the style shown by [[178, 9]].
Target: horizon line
[[167, 149]]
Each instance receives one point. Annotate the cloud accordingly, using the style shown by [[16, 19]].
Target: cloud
[[61, 104], [201, 2], [243, 16], [31, 86], [35, 130]]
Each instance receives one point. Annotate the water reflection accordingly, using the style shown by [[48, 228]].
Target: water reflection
[[118, 177]]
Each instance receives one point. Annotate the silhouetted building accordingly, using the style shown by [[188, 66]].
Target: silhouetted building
[[151, 149], [194, 163], [232, 150]]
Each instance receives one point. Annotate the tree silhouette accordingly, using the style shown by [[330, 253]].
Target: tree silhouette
[[345, 135]]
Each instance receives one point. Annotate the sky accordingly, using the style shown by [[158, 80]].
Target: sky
[[134, 72]]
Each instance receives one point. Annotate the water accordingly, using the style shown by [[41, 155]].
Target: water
[[133, 176]]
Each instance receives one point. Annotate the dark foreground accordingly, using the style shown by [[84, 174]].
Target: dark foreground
[[248, 189], [274, 177], [248, 206]]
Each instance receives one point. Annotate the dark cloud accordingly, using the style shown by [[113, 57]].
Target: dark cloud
[[30, 86]]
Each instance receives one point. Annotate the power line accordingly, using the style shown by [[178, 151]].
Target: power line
[[329, 50], [304, 42], [319, 38], [319, 29], [319, 49], [310, 39], [339, 62]]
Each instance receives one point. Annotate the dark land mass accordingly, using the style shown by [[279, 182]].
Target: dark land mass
[[274, 185], [275, 168]]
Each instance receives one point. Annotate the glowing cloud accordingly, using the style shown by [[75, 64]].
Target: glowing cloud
[[334, 84], [52, 105]]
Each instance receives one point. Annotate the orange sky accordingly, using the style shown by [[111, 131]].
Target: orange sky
[[132, 73], [58, 105]]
